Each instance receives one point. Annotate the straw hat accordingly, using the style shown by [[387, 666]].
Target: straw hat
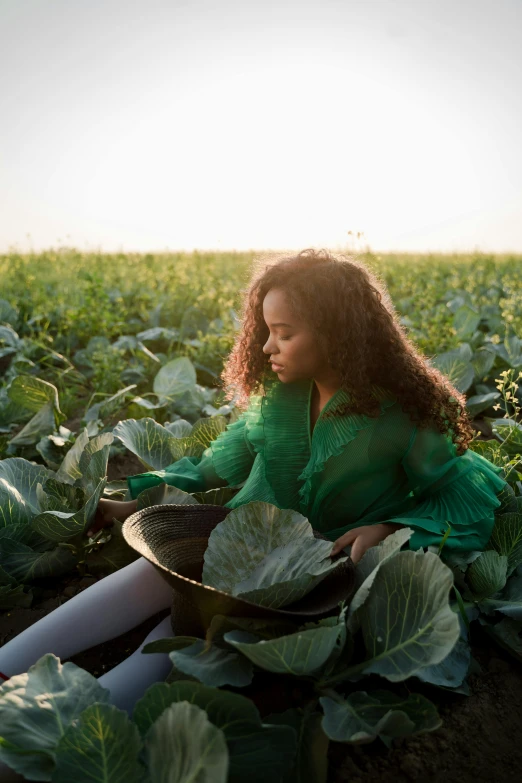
[[174, 539]]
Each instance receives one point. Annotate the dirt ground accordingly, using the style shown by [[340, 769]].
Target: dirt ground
[[480, 739]]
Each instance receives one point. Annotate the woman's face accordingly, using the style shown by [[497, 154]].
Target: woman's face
[[291, 345]]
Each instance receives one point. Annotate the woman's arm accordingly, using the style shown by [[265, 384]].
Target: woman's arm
[[108, 510]]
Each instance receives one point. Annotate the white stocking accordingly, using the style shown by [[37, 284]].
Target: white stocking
[[110, 607], [129, 680]]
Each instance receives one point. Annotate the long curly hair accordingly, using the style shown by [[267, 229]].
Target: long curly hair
[[350, 312]]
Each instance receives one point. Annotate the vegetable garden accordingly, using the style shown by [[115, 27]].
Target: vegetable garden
[[109, 365]]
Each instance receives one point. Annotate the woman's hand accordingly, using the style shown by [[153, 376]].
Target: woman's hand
[[362, 538], [108, 510]]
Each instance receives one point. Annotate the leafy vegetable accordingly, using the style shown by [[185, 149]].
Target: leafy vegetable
[[406, 620], [256, 750], [157, 447], [304, 652], [362, 717], [103, 744], [266, 555], [199, 751], [212, 666], [37, 707]]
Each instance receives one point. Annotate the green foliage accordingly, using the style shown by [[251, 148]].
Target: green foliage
[[266, 555], [362, 717]]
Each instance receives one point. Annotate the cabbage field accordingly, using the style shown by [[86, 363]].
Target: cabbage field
[[109, 366]]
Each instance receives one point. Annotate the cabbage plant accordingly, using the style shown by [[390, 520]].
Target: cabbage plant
[[266, 555], [44, 516], [57, 724]]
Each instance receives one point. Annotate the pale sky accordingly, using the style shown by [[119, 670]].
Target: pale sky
[[216, 124]]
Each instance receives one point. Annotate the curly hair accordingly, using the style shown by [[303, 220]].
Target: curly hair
[[351, 315]]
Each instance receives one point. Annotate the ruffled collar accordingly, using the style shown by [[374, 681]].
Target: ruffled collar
[[292, 453]]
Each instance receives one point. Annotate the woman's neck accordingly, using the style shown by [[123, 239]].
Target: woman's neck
[[326, 385]]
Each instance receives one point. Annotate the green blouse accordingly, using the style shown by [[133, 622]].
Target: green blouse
[[353, 470]]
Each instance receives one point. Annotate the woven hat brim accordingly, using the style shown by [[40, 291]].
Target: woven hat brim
[[174, 539]]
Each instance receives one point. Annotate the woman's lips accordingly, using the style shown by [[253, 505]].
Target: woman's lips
[[276, 367]]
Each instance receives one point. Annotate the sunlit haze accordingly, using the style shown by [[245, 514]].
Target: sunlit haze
[[261, 124]]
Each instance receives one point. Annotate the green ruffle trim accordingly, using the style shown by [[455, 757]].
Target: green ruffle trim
[[334, 434], [279, 429], [282, 436], [467, 502], [230, 453]]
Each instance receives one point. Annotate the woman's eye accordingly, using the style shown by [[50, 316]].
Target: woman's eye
[[284, 338]]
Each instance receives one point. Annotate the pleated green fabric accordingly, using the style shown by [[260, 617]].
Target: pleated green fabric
[[353, 470]]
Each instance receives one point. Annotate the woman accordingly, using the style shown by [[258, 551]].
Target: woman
[[344, 421]]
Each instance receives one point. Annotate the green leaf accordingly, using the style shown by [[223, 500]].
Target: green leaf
[[480, 402], [36, 709], [233, 713], [406, 621], [301, 653], [265, 628], [465, 321], [18, 483], [152, 443], [483, 361], [257, 751], [164, 494], [362, 717], [453, 669], [42, 423], [169, 644], [203, 433], [24, 476], [174, 379], [266, 555], [52, 449], [26, 535], [64, 526], [311, 763], [85, 464], [213, 666], [105, 408], [8, 314], [102, 746], [23, 564], [180, 428], [367, 569], [506, 538], [456, 366], [183, 746], [55, 496], [487, 574], [33, 393], [509, 502], [511, 351], [219, 496], [510, 601]]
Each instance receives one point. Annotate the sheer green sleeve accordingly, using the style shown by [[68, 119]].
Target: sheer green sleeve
[[457, 490], [226, 462]]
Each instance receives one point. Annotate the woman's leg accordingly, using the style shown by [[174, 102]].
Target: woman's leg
[[129, 680], [112, 606]]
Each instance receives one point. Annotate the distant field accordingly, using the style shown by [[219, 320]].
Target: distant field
[[83, 321]]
